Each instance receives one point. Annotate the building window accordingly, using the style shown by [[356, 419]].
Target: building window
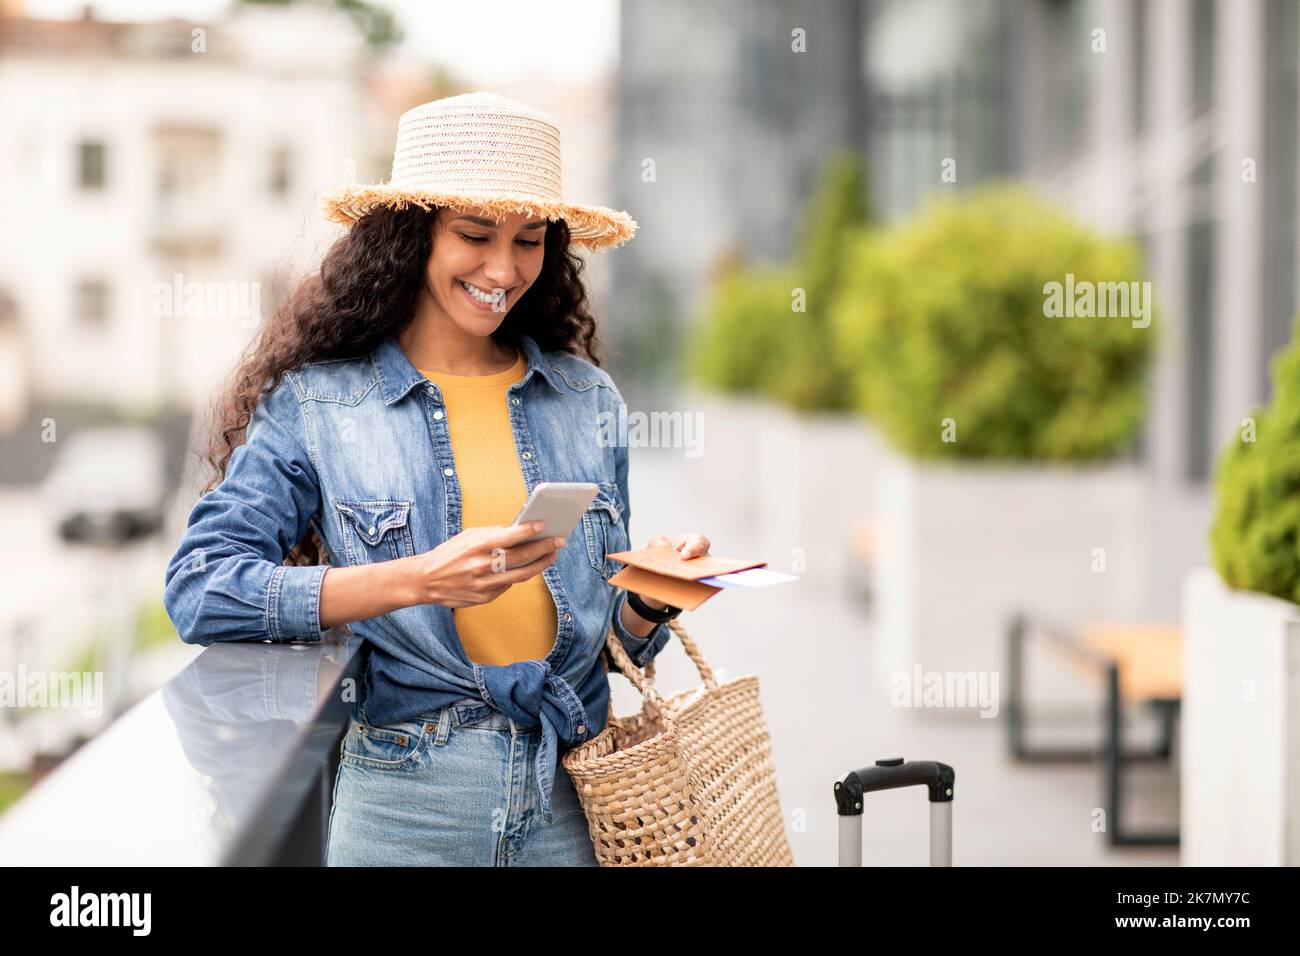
[[1201, 238], [91, 162], [1138, 60], [1066, 79], [1277, 175], [281, 169], [1202, 60], [167, 180], [188, 161], [1146, 241], [1203, 80], [188, 218], [92, 303], [1201, 241]]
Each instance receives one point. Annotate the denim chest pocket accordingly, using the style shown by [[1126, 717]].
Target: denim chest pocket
[[375, 531], [391, 747], [602, 525]]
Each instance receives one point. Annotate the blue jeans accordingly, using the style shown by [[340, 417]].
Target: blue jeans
[[453, 788]]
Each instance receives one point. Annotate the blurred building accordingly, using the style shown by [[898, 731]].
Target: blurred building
[[724, 113], [1171, 120], [158, 193]]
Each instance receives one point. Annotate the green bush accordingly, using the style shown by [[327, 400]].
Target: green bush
[[944, 318], [752, 339], [1255, 538], [836, 213], [13, 785], [738, 347]]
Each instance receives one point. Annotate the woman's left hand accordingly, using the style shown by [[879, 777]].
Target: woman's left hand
[[691, 545]]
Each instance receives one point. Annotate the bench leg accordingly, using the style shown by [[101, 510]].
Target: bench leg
[[1020, 749], [1115, 761], [1017, 717], [1168, 718]]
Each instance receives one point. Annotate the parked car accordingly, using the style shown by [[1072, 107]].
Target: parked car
[[108, 485]]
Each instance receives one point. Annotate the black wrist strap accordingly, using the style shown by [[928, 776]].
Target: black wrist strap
[[649, 613]]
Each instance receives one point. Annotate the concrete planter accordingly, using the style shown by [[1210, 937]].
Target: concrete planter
[[1241, 727], [962, 547], [800, 482]]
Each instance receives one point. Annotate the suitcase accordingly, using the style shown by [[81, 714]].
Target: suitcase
[[937, 778]]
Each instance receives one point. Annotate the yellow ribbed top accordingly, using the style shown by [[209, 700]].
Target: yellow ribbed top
[[521, 623]]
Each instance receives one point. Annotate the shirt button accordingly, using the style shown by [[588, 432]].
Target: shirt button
[[448, 472], [437, 416], [371, 530], [582, 728], [431, 390], [514, 401], [567, 617], [528, 456]]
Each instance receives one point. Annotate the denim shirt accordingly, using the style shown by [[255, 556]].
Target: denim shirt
[[360, 449]]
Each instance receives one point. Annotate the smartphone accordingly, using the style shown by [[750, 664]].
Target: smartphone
[[559, 504]]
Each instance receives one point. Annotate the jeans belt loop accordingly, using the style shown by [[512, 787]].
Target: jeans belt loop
[[444, 726]]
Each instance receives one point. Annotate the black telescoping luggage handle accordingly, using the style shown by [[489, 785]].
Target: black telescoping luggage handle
[[938, 778]]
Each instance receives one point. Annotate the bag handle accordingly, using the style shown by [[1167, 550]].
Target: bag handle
[[643, 681]]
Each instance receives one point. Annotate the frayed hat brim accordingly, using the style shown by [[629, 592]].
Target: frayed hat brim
[[593, 227]]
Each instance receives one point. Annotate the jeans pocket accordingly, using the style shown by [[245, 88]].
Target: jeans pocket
[[390, 747], [375, 531]]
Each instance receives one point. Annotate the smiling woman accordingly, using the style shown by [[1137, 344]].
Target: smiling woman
[[490, 264], [370, 458]]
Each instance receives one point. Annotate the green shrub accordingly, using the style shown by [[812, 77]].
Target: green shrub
[[752, 339], [836, 213], [1255, 538], [738, 346], [944, 318], [153, 626], [13, 785]]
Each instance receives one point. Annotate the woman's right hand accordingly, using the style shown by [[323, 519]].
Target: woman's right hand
[[479, 564]]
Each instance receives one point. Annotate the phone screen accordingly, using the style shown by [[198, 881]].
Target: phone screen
[[560, 505]]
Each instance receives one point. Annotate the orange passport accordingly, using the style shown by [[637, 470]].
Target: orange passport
[[663, 574]]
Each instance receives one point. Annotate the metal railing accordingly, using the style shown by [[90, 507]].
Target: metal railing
[[230, 763]]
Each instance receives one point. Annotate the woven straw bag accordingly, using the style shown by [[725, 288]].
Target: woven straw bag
[[688, 781]]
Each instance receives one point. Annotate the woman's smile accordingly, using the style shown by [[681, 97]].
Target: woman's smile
[[479, 298]]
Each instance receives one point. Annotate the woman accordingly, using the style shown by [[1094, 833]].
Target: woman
[[394, 416]]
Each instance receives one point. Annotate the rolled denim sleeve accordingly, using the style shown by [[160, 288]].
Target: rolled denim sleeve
[[641, 649], [227, 580]]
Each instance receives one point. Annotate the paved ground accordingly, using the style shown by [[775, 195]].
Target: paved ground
[[810, 643]]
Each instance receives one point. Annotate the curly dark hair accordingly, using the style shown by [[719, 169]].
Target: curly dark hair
[[367, 287]]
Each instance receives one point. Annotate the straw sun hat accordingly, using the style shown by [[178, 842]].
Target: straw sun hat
[[480, 149]]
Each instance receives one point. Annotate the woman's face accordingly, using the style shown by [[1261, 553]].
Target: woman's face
[[500, 259]]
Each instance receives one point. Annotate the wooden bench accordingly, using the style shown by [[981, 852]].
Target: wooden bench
[[1142, 664], [1149, 657]]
